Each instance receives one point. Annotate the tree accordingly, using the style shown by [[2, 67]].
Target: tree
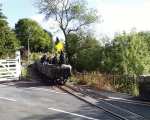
[[3, 18], [39, 39], [73, 47], [89, 54], [8, 41], [128, 54], [51, 41], [85, 52], [71, 15]]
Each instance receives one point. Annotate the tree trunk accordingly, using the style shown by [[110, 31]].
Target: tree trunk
[[68, 57]]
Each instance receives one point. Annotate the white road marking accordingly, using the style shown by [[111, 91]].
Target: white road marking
[[9, 99], [2, 85], [74, 114]]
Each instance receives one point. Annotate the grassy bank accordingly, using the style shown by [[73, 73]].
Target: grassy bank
[[118, 83]]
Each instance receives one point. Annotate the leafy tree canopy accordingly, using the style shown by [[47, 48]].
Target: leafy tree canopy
[[85, 52], [71, 15], [8, 41], [127, 54], [39, 39]]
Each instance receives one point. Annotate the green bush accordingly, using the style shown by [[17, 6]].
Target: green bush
[[35, 56]]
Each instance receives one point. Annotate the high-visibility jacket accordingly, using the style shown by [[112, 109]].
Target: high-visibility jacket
[[59, 47]]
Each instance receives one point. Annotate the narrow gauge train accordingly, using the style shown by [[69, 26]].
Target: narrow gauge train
[[55, 73], [144, 87]]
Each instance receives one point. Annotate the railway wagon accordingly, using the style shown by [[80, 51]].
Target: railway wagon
[[55, 73], [144, 87]]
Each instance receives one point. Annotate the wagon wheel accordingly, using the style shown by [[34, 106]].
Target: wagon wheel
[[62, 80]]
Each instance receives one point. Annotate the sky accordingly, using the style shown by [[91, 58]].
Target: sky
[[117, 15]]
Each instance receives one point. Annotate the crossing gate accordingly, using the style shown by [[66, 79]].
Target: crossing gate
[[10, 69]]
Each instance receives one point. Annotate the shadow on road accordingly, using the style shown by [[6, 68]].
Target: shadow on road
[[26, 83]]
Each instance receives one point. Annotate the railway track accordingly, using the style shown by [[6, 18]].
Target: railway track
[[117, 112], [135, 102]]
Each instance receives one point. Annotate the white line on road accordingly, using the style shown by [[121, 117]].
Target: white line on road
[[74, 114], [9, 99], [2, 85]]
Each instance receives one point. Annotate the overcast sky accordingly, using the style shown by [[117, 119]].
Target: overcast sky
[[118, 15]]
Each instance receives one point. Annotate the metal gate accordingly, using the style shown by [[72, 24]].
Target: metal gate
[[10, 69]]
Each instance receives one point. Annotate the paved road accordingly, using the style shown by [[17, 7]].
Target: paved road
[[28, 101]]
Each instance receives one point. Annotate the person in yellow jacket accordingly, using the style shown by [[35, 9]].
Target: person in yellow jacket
[[59, 46]]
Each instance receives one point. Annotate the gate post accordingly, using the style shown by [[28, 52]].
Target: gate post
[[18, 64]]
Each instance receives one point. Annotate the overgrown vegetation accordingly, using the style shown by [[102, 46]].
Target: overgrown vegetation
[[125, 56], [30, 32], [8, 41], [116, 83]]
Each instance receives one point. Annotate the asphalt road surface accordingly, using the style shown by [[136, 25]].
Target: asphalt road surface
[[29, 101]]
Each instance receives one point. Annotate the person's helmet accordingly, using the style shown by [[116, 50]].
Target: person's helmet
[[57, 40]]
